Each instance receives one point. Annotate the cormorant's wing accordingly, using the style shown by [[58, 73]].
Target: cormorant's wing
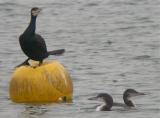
[[40, 41]]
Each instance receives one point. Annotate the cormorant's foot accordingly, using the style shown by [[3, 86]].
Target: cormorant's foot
[[35, 64], [40, 64], [34, 67]]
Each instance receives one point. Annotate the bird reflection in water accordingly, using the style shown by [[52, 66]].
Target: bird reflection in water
[[32, 111]]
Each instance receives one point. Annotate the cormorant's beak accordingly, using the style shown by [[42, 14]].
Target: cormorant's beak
[[39, 10]]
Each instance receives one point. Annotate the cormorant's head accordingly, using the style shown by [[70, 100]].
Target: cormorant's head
[[106, 98], [128, 94], [35, 11]]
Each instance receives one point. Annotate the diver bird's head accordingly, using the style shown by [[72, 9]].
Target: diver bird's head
[[106, 99], [128, 94]]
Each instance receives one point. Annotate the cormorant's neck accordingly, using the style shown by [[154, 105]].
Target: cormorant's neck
[[128, 102], [32, 27]]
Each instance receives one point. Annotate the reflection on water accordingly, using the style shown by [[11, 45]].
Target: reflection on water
[[34, 111]]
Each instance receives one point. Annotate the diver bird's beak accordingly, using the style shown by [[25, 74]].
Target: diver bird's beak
[[136, 94], [139, 93], [92, 98]]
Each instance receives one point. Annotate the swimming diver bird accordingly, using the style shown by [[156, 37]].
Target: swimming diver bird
[[32, 44], [128, 94], [106, 98]]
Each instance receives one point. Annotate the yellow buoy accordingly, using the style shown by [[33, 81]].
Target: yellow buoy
[[49, 82]]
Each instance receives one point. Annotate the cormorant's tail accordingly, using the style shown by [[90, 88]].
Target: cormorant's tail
[[56, 52]]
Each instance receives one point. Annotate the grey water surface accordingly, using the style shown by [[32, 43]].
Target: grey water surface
[[111, 45]]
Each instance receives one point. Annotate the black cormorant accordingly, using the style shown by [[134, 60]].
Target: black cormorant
[[32, 44]]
